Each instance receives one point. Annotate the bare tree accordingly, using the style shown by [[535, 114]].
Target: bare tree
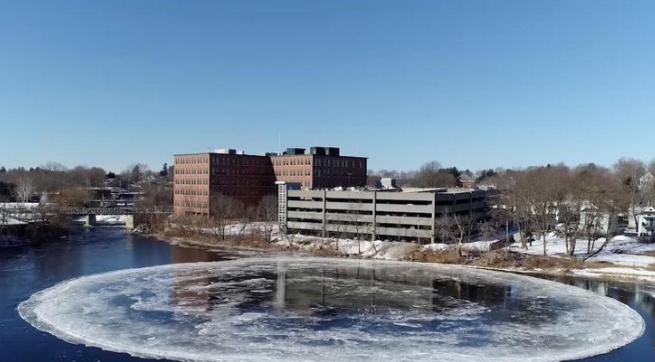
[[651, 167], [54, 166], [630, 172], [499, 217], [431, 174], [24, 189], [544, 193], [334, 229], [511, 201], [250, 221], [224, 211], [88, 176], [267, 211], [590, 185], [574, 199], [450, 229], [647, 184], [355, 216], [289, 236], [612, 201], [75, 196], [135, 173]]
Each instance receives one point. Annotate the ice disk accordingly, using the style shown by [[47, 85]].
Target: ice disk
[[309, 309]]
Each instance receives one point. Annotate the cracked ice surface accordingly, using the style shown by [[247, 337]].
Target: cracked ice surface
[[311, 309]]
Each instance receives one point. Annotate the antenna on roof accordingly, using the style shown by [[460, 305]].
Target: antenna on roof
[[279, 143]]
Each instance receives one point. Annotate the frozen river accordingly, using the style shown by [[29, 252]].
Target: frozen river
[[249, 308]]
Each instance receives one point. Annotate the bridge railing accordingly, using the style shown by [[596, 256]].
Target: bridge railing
[[77, 211]]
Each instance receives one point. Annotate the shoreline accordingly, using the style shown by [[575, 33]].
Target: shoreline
[[595, 271]]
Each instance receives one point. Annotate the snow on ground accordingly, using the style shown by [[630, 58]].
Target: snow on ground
[[624, 244], [106, 219], [621, 250], [258, 227], [237, 229], [626, 253], [631, 273], [555, 246], [17, 213], [437, 247], [377, 249], [472, 246], [641, 261]]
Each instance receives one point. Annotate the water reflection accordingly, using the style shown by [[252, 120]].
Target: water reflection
[[489, 295], [337, 290], [189, 293]]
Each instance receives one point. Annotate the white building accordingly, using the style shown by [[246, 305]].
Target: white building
[[602, 221], [646, 222]]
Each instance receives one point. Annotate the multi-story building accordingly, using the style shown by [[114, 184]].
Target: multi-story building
[[201, 177], [398, 216], [320, 168]]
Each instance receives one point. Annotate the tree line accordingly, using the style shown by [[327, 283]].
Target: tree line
[[582, 200], [70, 186], [577, 202], [430, 175]]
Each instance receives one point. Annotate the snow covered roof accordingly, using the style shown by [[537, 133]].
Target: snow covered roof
[[648, 210]]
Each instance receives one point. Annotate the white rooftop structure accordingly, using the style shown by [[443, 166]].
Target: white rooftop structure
[[646, 222]]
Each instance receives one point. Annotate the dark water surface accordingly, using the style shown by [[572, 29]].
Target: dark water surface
[[26, 271]]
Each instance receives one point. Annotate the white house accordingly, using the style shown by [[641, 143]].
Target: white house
[[603, 221], [646, 222]]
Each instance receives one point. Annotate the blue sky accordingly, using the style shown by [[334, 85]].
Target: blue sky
[[472, 84]]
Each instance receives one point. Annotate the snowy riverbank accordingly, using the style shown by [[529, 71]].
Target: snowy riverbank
[[623, 258]]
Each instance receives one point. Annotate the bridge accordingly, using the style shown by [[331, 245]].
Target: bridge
[[80, 211], [33, 213], [91, 213]]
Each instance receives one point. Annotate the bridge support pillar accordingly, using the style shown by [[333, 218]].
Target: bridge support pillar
[[90, 220], [129, 222]]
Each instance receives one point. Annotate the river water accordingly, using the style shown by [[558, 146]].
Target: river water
[[26, 271]]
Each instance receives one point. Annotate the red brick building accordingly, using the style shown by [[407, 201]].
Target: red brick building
[[320, 168], [200, 177]]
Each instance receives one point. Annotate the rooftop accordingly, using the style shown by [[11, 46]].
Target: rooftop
[[453, 190], [311, 151]]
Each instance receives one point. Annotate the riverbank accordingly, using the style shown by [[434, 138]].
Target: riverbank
[[92, 251], [477, 254]]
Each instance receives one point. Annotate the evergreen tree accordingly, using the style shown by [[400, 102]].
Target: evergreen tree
[[164, 170]]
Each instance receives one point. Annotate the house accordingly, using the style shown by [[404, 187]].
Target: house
[[467, 181], [646, 222], [601, 221], [388, 183]]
